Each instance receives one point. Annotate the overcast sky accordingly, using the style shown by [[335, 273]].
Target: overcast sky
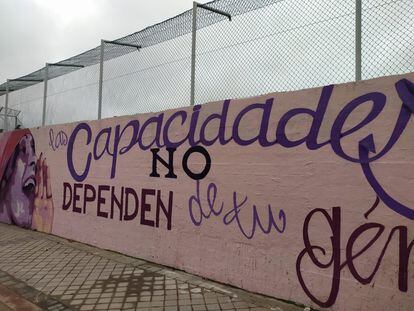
[[33, 32]]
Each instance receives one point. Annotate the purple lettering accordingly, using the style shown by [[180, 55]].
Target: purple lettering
[[78, 177], [101, 201], [145, 207]]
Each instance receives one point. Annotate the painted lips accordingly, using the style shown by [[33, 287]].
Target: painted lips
[[29, 185]]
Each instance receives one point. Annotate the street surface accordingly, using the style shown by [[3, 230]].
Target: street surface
[[44, 272]]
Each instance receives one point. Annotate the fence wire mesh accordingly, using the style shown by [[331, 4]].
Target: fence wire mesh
[[29, 101], [387, 37], [289, 45], [269, 45], [151, 79], [77, 90]]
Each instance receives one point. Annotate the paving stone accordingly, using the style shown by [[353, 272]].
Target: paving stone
[[157, 303], [226, 306], [239, 305], [128, 305], [185, 302], [198, 301], [104, 300], [116, 305], [76, 302], [103, 306], [131, 299], [170, 303], [144, 304], [117, 299]]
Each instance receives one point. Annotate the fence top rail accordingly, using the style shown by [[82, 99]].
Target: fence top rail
[[169, 29]]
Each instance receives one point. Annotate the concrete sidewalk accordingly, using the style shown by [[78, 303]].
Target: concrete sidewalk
[[51, 273]]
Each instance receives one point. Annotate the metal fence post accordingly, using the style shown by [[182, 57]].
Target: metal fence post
[[101, 79], [358, 40], [6, 107], [193, 52], [194, 42], [46, 78]]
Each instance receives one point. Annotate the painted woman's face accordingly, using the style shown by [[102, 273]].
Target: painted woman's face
[[22, 182]]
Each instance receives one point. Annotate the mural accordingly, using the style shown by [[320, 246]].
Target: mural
[[304, 196], [25, 185]]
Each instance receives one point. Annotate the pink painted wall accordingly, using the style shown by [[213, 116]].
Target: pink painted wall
[[316, 217]]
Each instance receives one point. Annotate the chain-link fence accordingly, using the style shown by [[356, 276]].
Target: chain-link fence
[[149, 79], [228, 49], [387, 37]]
